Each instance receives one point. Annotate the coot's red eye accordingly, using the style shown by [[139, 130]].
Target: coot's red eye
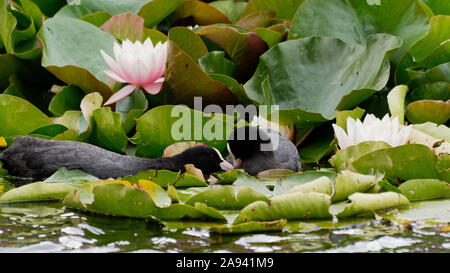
[[211, 156]]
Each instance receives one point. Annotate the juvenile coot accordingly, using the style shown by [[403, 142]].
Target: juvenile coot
[[39, 158], [257, 149]]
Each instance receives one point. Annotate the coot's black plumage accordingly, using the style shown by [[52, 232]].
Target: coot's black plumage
[[245, 145], [39, 158]]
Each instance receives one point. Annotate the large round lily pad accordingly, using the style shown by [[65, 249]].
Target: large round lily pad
[[73, 58], [312, 77]]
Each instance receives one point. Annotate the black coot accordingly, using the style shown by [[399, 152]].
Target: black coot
[[37, 158], [257, 149]]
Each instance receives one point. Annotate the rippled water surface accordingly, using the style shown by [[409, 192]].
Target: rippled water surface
[[48, 227]]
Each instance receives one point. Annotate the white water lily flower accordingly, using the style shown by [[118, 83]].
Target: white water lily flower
[[142, 65], [388, 130]]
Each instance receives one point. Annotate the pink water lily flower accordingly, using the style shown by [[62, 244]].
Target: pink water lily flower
[[142, 65]]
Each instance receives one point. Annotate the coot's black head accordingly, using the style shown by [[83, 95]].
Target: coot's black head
[[245, 142], [207, 159]]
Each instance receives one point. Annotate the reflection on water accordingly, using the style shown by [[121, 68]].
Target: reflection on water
[[47, 227]]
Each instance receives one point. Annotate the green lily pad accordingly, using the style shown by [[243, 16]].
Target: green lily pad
[[184, 80], [189, 42], [396, 101], [321, 185], [231, 9], [49, 131], [430, 91], [283, 9], [227, 197], [245, 180], [423, 189], [300, 179], [354, 21], [96, 18], [342, 116], [125, 26], [131, 108], [163, 178], [230, 176], [71, 177], [215, 62], [432, 129], [440, 73], [73, 11], [344, 158], [244, 49], [364, 203], [156, 11], [347, 183], [37, 191], [69, 98], [154, 129], [404, 162], [108, 131], [74, 120], [64, 53], [422, 111], [292, 206], [33, 10], [19, 117], [114, 7], [309, 89], [112, 198], [201, 13], [257, 19], [269, 36], [435, 211], [249, 227], [439, 33]]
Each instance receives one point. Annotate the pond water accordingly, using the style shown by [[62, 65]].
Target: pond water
[[48, 227]]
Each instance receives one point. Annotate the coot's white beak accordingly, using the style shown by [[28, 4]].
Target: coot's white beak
[[226, 166], [236, 161]]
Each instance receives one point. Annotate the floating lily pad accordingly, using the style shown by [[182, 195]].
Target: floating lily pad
[[243, 48], [354, 21], [321, 185], [200, 12], [347, 183], [283, 9], [71, 177], [422, 189], [310, 78], [227, 197], [189, 42], [439, 32], [19, 117], [125, 26], [184, 80], [422, 111], [168, 124], [64, 53], [404, 162], [69, 98], [344, 158], [37, 191], [430, 91], [290, 206], [112, 198], [363, 203]]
